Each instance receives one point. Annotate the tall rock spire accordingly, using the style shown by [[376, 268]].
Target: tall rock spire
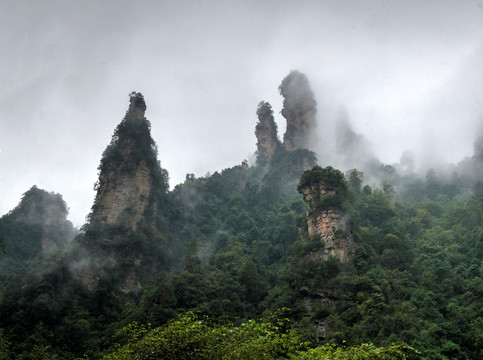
[[130, 206], [137, 107], [266, 132], [324, 190], [131, 182], [299, 109]]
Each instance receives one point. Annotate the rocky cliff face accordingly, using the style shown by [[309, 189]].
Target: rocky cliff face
[[130, 174], [266, 132], [325, 218], [324, 191], [121, 236], [123, 199], [299, 109]]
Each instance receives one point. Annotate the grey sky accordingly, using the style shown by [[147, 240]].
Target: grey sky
[[409, 74]]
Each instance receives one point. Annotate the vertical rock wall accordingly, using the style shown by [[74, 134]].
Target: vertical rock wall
[[266, 133], [327, 221], [299, 109], [127, 172], [130, 200]]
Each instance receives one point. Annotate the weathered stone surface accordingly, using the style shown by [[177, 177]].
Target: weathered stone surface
[[129, 201], [126, 180], [266, 133], [123, 198], [299, 109], [329, 223]]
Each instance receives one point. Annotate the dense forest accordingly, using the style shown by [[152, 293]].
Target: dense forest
[[282, 258]]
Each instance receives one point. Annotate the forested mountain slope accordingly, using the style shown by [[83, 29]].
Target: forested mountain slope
[[339, 259]]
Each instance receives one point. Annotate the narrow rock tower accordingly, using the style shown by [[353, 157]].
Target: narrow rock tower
[[299, 109], [129, 215], [266, 132], [324, 190], [132, 185]]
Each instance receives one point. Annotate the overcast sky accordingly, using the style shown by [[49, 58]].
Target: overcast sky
[[409, 74]]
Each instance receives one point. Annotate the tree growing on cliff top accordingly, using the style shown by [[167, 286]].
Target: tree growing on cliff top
[[330, 178]]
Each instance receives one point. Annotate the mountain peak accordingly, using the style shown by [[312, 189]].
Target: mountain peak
[[266, 133], [129, 173], [299, 109], [43, 214], [137, 107]]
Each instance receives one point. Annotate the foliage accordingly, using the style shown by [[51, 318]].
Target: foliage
[[355, 179], [232, 246], [4, 346], [2, 245], [327, 186], [328, 177], [37, 225], [414, 278], [194, 337], [361, 352]]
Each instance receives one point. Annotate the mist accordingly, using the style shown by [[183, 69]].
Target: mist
[[408, 75]]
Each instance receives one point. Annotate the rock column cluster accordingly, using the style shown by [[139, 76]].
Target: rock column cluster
[[299, 109]]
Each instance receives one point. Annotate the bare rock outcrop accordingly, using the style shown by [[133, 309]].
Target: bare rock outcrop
[[266, 133], [329, 239], [323, 191], [129, 172], [299, 109], [123, 198]]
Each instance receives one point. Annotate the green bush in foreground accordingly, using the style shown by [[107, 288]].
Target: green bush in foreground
[[360, 352], [193, 337]]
